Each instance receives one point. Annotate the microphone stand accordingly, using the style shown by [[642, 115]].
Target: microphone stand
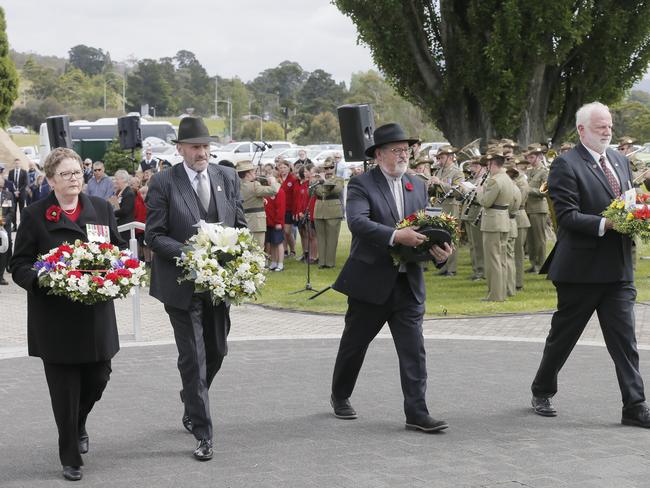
[[307, 219]]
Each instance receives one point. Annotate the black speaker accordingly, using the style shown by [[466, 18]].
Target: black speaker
[[357, 125], [128, 131], [58, 131]]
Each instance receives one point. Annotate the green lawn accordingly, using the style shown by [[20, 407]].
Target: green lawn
[[455, 296], [25, 139]]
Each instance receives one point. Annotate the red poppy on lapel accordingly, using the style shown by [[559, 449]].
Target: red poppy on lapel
[[408, 186], [53, 213]]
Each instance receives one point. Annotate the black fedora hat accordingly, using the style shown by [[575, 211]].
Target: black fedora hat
[[388, 133], [192, 130]]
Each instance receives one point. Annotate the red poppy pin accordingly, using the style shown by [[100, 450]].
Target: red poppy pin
[[53, 213], [408, 186]]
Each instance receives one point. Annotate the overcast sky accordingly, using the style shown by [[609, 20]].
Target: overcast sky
[[228, 37]]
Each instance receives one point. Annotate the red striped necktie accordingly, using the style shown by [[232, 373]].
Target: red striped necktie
[[611, 179]]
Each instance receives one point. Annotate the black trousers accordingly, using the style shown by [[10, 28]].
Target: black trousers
[[363, 321], [74, 390], [201, 339], [576, 303]]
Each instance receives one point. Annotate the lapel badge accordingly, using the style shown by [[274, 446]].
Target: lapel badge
[[218, 188]]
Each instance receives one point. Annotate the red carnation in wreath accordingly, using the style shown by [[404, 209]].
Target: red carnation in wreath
[[53, 213]]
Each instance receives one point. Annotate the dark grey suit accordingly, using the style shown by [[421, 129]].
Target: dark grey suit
[[200, 328], [590, 273], [378, 293]]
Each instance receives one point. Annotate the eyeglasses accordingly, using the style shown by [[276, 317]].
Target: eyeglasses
[[97, 170], [68, 175], [401, 150]]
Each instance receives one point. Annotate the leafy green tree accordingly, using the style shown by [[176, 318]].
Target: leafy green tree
[[43, 80], [90, 60], [116, 158], [323, 128], [250, 130], [8, 74], [504, 68], [235, 91], [321, 93], [150, 83], [388, 106], [195, 87], [631, 119]]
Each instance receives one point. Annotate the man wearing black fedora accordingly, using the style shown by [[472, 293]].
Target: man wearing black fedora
[[177, 199], [377, 290]]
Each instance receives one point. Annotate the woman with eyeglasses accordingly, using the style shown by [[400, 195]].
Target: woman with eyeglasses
[[75, 342]]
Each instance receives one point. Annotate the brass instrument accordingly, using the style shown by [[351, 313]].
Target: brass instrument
[[471, 196], [469, 151], [543, 189]]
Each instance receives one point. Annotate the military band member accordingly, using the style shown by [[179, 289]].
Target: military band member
[[495, 196], [566, 147], [513, 210], [469, 216], [509, 147], [536, 208], [328, 213], [523, 224], [447, 176], [626, 148], [253, 192]]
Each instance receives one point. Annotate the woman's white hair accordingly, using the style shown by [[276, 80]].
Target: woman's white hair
[[122, 174], [583, 115]]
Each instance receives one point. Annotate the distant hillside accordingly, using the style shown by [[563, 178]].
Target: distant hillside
[[54, 62], [643, 85]]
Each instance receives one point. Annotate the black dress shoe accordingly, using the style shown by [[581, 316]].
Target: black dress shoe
[[426, 424], [203, 451], [343, 409], [72, 473], [187, 423], [83, 443], [543, 406], [446, 273], [638, 416]]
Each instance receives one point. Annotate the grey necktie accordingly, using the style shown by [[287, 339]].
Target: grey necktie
[[203, 190], [397, 193]]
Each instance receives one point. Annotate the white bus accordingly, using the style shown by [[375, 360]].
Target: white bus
[[91, 139]]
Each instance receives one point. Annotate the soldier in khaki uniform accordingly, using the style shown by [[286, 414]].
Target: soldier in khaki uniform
[[328, 213], [523, 224], [495, 196], [626, 147], [469, 216], [513, 210], [446, 177], [566, 147], [536, 208], [253, 193]]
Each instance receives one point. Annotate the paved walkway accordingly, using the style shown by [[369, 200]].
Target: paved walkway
[[273, 426]]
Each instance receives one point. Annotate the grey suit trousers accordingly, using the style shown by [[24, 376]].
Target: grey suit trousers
[[201, 339]]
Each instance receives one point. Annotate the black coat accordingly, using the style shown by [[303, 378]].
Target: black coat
[[580, 192], [369, 274], [126, 212], [172, 212], [59, 330]]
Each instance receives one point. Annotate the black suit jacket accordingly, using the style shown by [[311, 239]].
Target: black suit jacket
[[172, 212], [59, 330], [580, 192], [369, 274], [126, 212], [21, 182]]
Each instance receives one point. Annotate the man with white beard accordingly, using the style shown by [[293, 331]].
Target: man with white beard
[[591, 265]]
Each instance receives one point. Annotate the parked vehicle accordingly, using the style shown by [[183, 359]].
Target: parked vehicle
[[17, 129], [91, 139]]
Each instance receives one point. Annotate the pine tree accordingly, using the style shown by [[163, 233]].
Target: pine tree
[[8, 74]]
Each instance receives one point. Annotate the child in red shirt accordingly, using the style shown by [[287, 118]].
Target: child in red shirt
[[275, 208]]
